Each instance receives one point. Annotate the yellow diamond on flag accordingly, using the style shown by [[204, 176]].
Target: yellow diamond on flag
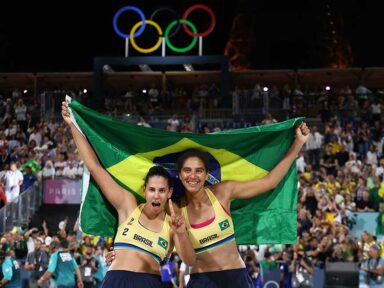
[[133, 169]]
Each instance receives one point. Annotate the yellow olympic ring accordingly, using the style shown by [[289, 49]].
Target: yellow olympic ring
[[148, 50]]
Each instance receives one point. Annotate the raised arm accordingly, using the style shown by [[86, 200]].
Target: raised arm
[[123, 201], [180, 236], [252, 188]]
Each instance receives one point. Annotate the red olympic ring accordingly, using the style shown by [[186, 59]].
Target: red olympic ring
[[211, 26]]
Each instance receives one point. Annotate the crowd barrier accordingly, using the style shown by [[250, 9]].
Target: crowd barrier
[[271, 278], [19, 212]]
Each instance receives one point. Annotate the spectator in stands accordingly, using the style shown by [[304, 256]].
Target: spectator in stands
[[128, 99], [213, 95], [193, 106], [366, 203], [48, 170], [80, 169], [376, 191], [63, 266], [60, 163], [309, 199], [365, 244], [362, 94], [174, 123], [202, 93], [313, 147], [329, 161], [8, 110], [380, 170], [363, 137], [31, 237], [304, 224], [11, 129], [70, 171], [13, 179], [143, 123], [268, 119], [342, 156], [371, 156], [353, 165], [153, 95], [206, 129], [300, 163], [20, 110], [36, 136], [256, 94], [3, 148], [46, 145], [28, 178], [17, 243]]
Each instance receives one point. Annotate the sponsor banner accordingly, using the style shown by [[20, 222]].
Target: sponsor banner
[[62, 191], [363, 221]]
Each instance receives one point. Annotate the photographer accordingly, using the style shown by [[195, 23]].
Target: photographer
[[37, 262], [88, 268], [301, 269], [253, 268], [372, 269]]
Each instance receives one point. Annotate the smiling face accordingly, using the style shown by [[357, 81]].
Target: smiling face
[[157, 192], [193, 174]]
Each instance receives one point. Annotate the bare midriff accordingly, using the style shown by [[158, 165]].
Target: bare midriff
[[224, 257], [135, 261]]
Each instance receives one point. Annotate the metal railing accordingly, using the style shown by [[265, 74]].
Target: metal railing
[[19, 213]]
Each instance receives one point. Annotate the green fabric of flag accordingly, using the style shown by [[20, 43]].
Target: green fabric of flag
[[127, 151]]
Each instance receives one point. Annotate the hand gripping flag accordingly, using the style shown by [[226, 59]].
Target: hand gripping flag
[[127, 151]]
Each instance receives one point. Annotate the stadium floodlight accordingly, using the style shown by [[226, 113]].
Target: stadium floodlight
[[145, 68], [188, 67], [107, 68]]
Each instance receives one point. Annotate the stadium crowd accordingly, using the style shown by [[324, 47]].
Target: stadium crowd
[[340, 172]]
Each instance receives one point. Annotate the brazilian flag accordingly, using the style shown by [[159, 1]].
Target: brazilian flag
[[127, 151]]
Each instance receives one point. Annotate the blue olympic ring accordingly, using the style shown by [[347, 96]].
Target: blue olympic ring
[[117, 15]]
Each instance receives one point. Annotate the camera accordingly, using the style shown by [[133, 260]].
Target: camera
[[372, 276], [248, 258]]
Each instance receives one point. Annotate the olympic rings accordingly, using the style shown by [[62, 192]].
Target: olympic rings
[[188, 27], [142, 24], [211, 26], [169, 44]]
